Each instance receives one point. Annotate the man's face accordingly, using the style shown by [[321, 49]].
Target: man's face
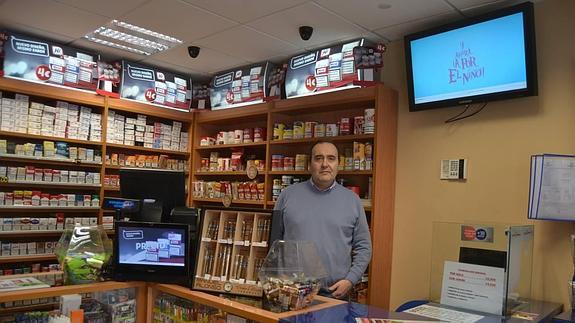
[[323, 166]]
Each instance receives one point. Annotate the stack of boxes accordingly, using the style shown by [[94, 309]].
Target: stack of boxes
[[14, 114], [65, 120], [136, 132]]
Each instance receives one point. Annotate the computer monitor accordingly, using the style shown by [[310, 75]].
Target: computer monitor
[[147, 251], [166, 187]]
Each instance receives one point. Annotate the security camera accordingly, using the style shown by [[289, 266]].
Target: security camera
[[193, 51], [305, 32]]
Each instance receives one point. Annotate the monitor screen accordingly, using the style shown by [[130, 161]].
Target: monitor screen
[[476, 60], [167, 188], [156, 246]]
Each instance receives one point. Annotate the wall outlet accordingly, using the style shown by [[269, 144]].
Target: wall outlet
[[453, 169]]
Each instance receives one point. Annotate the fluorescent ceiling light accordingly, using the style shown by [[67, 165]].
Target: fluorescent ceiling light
[[132, 38]]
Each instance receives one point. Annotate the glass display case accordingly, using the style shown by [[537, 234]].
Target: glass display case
[[482, 267]]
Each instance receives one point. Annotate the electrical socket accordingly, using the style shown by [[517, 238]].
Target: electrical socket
[[453, 169]]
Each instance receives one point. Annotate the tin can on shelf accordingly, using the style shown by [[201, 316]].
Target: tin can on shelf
[[298, 130], [220, 138], [319, 130], [259, 134], [345, 126], [300, 162], [287, 180], [288, 134], [238, 136], [369, 121], [309, 129], [278, 133], [248, 135], [277, 162], [288, 163], [358, 123], [229, 139], [205, 165], [331, 130]]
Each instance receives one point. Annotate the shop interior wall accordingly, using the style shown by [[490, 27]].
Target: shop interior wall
[[498, 143]]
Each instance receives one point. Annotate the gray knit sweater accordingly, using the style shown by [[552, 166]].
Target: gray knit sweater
[[335, 221]]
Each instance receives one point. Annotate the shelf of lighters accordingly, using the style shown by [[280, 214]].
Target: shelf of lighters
[[231, 250]]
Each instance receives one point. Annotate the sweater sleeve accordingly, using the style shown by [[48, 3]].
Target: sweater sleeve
[[360, 249]]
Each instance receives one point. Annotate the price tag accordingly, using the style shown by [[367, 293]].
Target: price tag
[[310, 83], [43, 72], [150, 95], [252, 172], [227, 200]]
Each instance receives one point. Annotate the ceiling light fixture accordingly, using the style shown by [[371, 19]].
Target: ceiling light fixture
[[384, 6], [125, 36]]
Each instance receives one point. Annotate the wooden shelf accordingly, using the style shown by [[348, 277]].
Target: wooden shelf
[[255, 112], [27, 258], [70, 289], [52, 92], [327, 102], [43, 273], [248, 202], [215, 147], [27, 208], [39, 137], [229, 173], [48, 161], [38, 184], [143, 168], [31, 233], [152, 150], [121, 105], [29, 308], [347, 138], [111, 189]]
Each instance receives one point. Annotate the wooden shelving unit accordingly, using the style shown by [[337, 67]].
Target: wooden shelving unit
[[48, 161], [71, 186], [243, 202], [9, 134], [29, 208], [323, 108], [17, 259], [148, 150], [31, 233]]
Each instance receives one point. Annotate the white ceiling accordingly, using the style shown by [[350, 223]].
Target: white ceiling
[[234, 32]]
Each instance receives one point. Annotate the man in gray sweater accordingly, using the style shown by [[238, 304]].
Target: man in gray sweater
[[330, 215]]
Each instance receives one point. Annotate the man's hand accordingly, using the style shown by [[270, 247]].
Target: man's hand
[[341, 288]]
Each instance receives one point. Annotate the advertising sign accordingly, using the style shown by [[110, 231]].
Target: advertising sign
[[238, 87], [150, 85], [326, 69], [41, 61], [151, 246], [109, 78]]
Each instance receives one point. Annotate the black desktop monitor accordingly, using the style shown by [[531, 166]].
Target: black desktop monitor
[[147, 251], [165, 187]]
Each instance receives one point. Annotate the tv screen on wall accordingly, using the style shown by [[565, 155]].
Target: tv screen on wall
[[480, 59]]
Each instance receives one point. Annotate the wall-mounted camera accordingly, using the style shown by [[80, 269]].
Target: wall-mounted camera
[[193, 51], [305, 32]]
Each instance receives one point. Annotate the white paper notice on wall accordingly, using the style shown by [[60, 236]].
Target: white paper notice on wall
[[474, 287]]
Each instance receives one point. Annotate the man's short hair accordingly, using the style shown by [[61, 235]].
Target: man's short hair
[[322, 142]]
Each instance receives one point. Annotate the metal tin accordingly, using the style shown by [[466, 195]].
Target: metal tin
[[298, 130], [369, 121], [300, 162], [345, 126], [288, 163], [259, 134], [248, 135], [331, 130], [238, 136], [319, 130], [278, 133], [288, 134], [309, 131], [277, 162], [358, 124]]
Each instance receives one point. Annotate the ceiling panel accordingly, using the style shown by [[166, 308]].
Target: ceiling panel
[[51, 16], [467, 4], [487, 7], [108, 8], [11, 25], [247, 44], [245, 10], [367, 14], [209, 61], [397, 32], [184, 71], [327, 26], [177, 19]]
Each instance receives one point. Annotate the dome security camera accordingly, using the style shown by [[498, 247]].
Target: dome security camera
[[305, 32], [193, 51]]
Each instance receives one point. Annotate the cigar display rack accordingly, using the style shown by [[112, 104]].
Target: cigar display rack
[[231, 251]]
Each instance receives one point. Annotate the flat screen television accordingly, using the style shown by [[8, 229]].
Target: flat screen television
[[152, 252], [479, 59]]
